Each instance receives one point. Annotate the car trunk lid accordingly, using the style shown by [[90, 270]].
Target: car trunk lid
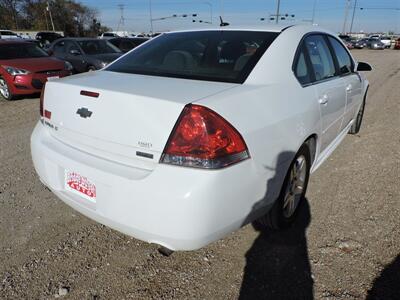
[[128, 118]]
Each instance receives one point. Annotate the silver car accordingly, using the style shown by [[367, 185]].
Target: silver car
[[375, 44]]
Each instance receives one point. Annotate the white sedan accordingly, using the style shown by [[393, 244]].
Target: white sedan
[[196, 133]]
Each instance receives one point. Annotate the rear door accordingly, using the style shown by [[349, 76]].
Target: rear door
[[351, 79], [330, 88]]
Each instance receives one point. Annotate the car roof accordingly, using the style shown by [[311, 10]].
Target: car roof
[[15, 41], [129, 38], [79, 39], [267, 27], [299, 28], [47, 32]]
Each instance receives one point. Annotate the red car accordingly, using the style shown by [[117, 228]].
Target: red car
[[397, 44], [24, 68]]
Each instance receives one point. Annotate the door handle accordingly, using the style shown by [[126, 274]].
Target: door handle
[[323, 100], [349, 88]]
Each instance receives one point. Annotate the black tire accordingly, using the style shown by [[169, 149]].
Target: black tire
[[6, 94], [276, 219], [355, 127]]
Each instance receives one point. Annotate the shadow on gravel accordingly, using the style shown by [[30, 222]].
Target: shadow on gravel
[[387, 285], [277, 265]]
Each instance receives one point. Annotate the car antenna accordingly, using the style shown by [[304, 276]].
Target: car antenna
[[222, 23]]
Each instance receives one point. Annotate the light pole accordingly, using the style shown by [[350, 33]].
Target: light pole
[[346, 12], [313, 12], [51, 18], [151, 17], [211, 10], [277, 11]]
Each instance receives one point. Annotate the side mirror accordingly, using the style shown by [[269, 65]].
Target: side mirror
[[74, 52], [362, 66]]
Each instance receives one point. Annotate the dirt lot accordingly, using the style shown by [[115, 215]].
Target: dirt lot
[[346, 246]]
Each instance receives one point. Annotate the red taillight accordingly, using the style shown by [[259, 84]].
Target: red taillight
[[203, 139], [41, 105]]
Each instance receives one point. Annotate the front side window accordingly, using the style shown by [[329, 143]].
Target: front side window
[[71, 46], [227, 56], [320, 56], [343, 58]]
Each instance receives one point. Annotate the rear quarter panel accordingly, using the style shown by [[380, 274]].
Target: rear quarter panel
[[272, 111]]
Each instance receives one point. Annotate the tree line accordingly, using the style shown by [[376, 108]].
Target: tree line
[[69, 16]]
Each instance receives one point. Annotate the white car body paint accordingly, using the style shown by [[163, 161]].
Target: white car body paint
[[177, 207]]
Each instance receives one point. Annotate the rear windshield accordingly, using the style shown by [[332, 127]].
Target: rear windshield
[[227, 56], [21, 50], [97, 47]]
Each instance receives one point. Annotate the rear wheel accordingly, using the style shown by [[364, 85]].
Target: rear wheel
[[91, 69], [355, 128], [5, 90], [292, 194]]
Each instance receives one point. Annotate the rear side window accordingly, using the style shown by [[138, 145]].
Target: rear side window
[[7, 33], [343, 58], [320, 56], [59, 48], [301, 69], [227, 56]]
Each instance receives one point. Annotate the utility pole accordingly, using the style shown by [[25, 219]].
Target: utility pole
[[313, 12], [121, 19], [277, 11], [346, 12], [45, 17], [354, 13], [51, 18], [151, 17]]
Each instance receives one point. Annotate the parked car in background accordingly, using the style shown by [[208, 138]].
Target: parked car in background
[[348, 41], [360, 44], [108, 35], [197, 133], [375, 44], [47, 37], [85, 54], [386, 40], [8, 34], [24, 68], [127, 44], [397, 44], [349, 45]]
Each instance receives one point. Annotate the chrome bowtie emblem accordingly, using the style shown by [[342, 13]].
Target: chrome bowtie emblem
[[84, 112]]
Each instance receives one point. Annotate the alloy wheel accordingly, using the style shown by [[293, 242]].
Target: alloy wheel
[[4, 91], [295, 186]]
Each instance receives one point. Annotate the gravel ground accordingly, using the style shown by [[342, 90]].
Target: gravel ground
[[346, 245]]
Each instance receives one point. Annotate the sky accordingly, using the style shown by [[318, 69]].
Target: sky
[[376, 15]]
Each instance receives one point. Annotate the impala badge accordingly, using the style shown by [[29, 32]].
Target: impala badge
[[84, 112]]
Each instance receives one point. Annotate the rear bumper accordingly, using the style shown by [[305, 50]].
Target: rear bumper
[[31, 83], [179, 208]]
